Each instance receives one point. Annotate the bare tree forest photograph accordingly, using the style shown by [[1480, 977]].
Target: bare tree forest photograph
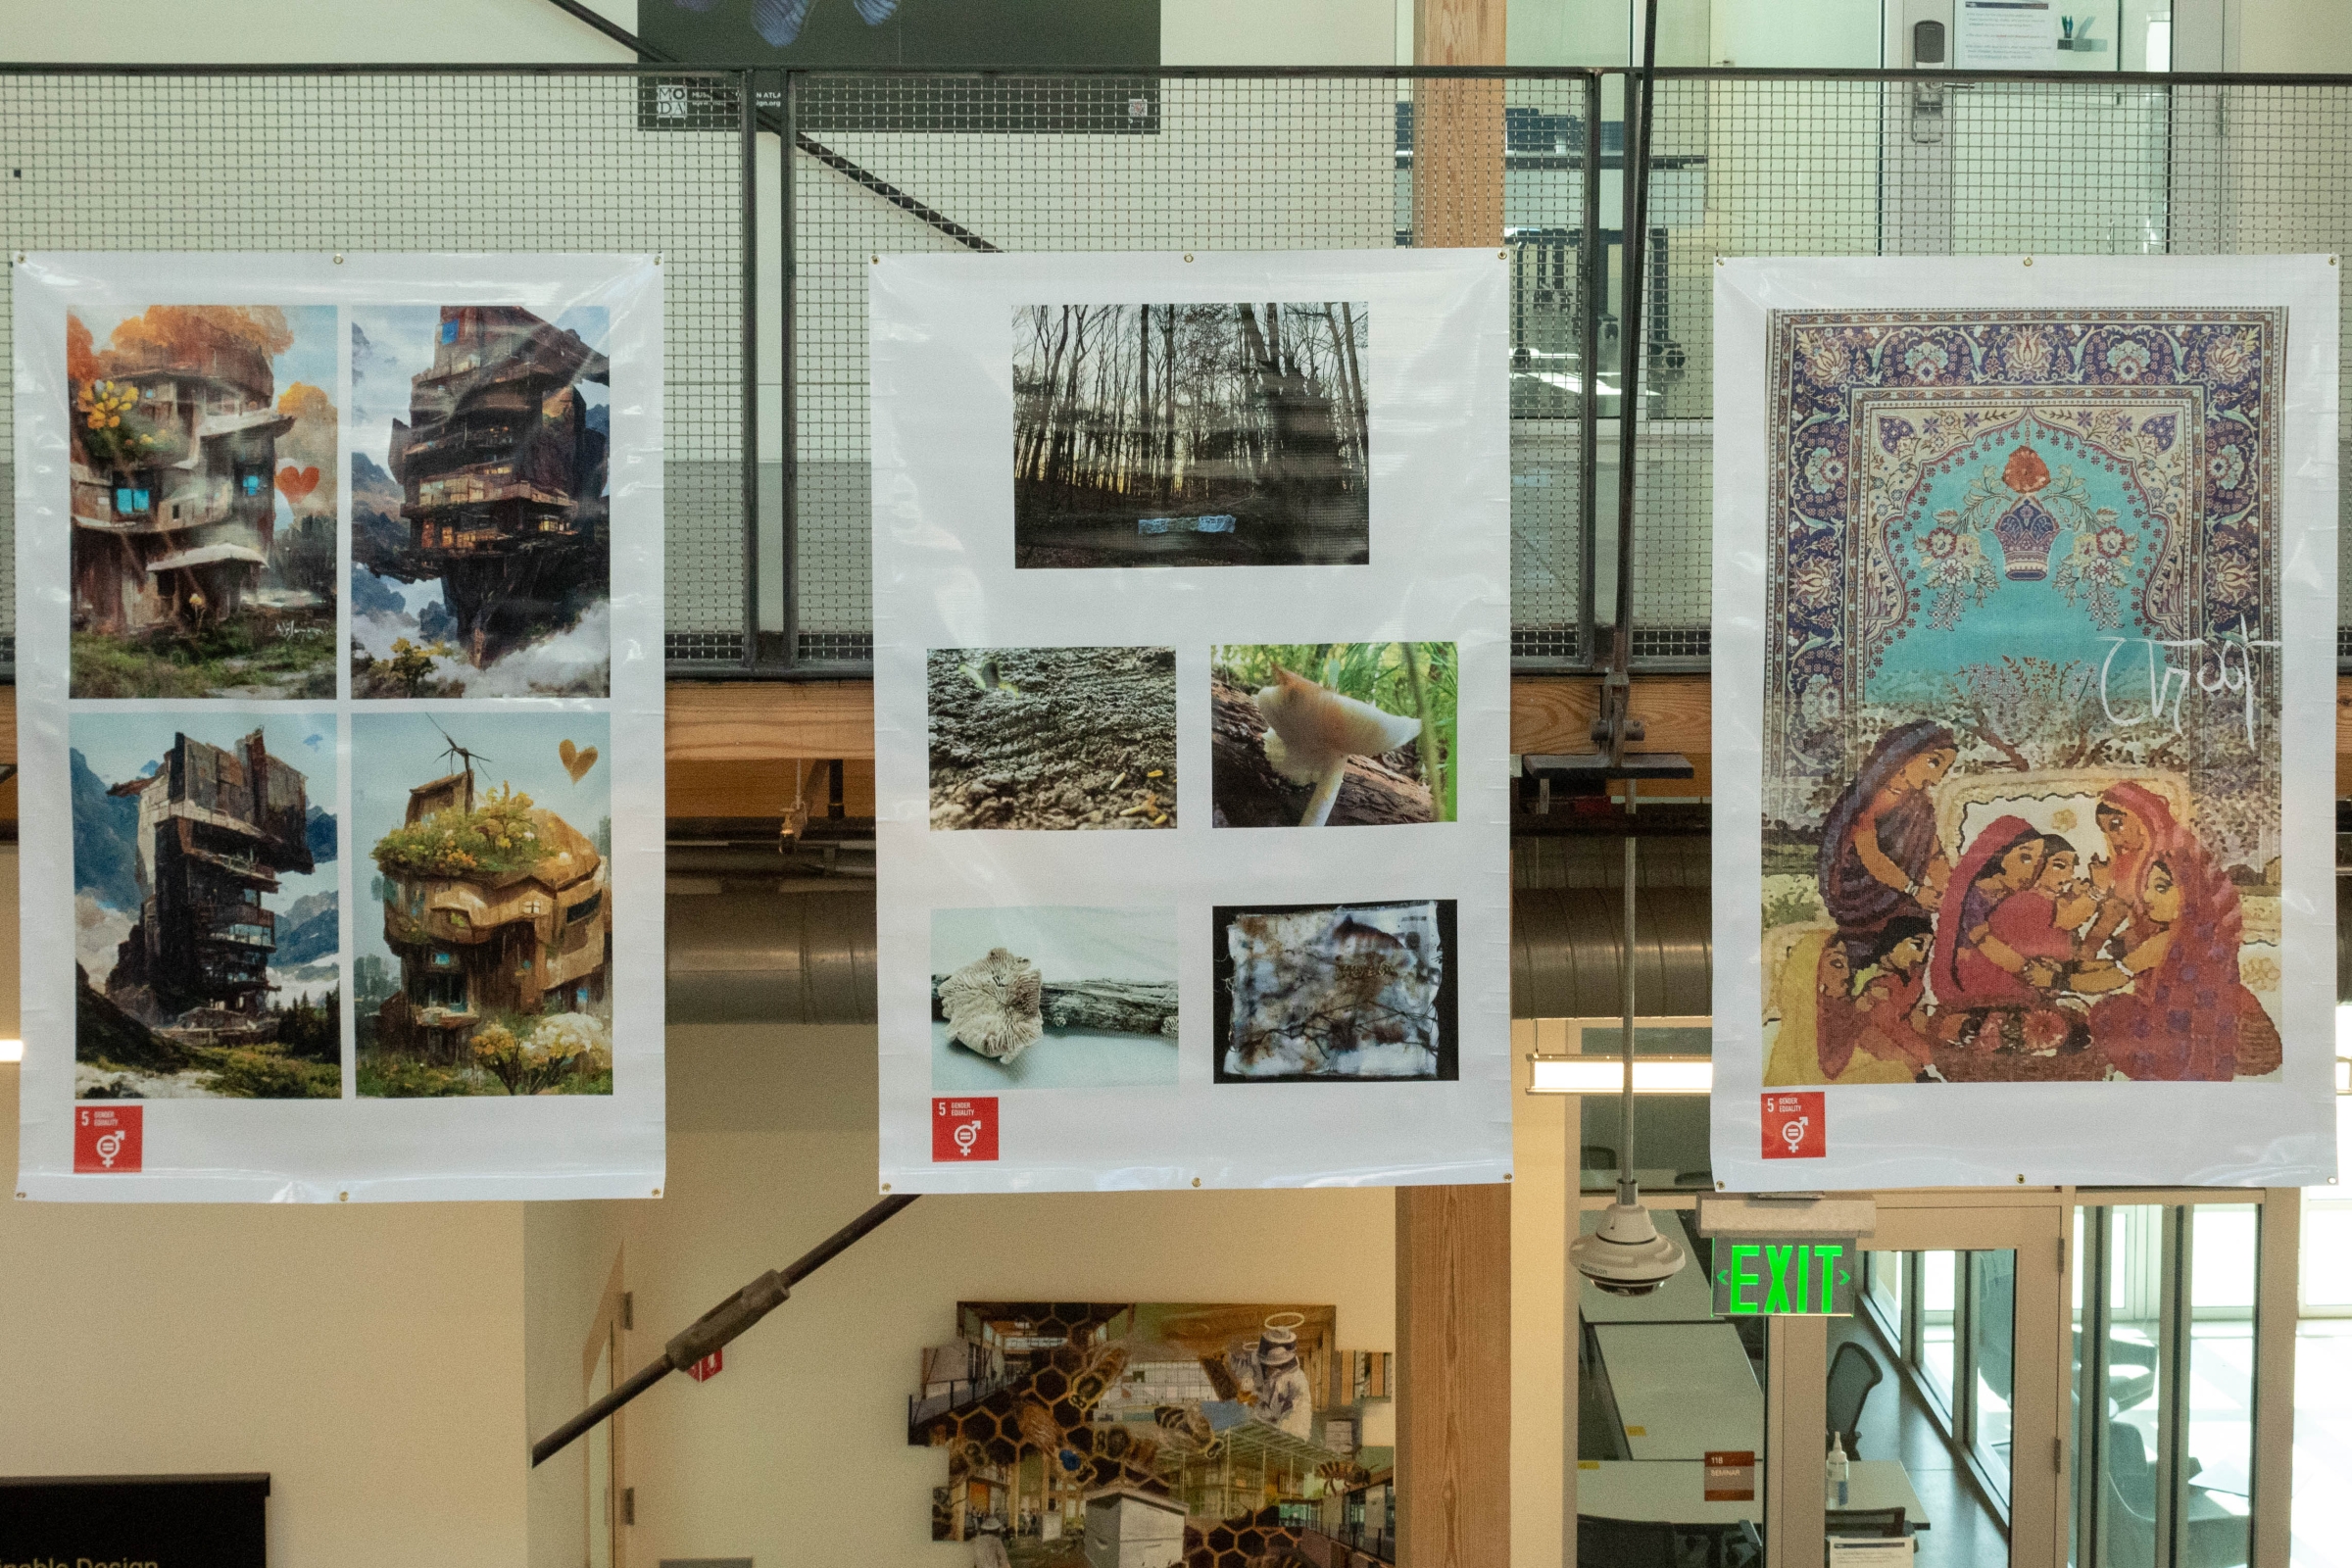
[[1191, 435]]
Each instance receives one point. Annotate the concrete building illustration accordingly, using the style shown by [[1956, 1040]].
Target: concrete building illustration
[[502, 475], [173, 500], [472, 946], [216, 829]]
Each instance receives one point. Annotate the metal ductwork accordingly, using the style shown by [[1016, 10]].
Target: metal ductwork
[[758, 937], [1567, 926]]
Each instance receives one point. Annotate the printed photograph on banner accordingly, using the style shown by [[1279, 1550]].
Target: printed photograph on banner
[[203, 473], [1191, 435], [1052, 739], [2022, 749], [481, 547], [484, 951], [1315, 991], [1053, 997], [1080, 1434], [207, 938], [1333, 734]]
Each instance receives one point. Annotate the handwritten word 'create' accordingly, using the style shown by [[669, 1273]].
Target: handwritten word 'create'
[[2223, 665]]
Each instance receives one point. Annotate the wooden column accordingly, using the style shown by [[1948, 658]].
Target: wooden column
[[1454, 1243]]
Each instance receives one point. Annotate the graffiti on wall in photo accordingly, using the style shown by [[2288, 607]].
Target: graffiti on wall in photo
[[204, 497], [206, 924], [1192, 435], [1088, 1432], [483, 961], [2022, 809], [481, 542]]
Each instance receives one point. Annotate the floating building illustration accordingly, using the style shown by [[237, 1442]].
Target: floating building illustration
[[215, 829], [174, 461], [473, 944], [502, 476]]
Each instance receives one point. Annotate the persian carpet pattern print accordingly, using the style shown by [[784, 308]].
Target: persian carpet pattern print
[[2022, 776]]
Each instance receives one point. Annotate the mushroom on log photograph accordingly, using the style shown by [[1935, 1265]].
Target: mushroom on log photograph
[[1333, 734]]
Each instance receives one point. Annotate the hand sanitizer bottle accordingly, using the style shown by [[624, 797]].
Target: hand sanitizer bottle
[[1835, 1493]]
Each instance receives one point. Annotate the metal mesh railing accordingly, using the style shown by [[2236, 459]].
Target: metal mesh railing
[[505, 160], [1268, 161], [1744, 164]]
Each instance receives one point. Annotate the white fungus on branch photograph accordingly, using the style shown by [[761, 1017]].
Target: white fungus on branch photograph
[[1333, 734], [1053, 997]]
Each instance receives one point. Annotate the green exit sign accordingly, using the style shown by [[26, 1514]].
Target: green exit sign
[[1793, 1276]]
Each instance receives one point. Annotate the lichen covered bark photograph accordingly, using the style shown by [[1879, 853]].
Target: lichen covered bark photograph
[[1052, 739]]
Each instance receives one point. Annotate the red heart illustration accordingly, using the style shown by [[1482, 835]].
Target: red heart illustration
[[295, 483]]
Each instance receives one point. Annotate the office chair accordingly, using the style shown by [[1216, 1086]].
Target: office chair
[[2212, 1536], [1625, 1542], [1853, 1373]]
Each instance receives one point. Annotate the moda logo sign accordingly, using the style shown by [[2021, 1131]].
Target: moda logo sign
[[1796, 1126], [108, 1140], [963, 1129]]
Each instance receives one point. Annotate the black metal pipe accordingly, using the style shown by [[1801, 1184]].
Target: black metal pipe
[[721, 1324], [748, 107], [1588, 347], [789, 393], [1630, 343], [610, 29]]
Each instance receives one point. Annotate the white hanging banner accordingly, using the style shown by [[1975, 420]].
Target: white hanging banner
[[2025, 682], [339, 697], [1191, 597]]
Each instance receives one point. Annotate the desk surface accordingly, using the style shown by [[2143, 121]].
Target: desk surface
[[1672, 1490], [1681, 1389]]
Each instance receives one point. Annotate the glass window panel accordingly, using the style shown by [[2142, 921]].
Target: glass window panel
[[2328, 1259], [1887, 1286], [2126, 1496], [1936, 1284], [2219, 1390], [1670, 1131], [1991, 1334]]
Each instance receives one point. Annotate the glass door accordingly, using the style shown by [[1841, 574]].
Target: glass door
[[1933, 1394], [2164, 1384]]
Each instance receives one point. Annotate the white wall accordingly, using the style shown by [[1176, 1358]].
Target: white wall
[[369, 1359], [801, 1440], [306, 31]]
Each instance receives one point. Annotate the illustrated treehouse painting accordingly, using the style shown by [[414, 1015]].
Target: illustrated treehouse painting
[[216, 829], [502, 475], [493, 906], [175, 431]]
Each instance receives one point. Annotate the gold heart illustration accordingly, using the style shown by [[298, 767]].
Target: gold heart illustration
[[578, 759]]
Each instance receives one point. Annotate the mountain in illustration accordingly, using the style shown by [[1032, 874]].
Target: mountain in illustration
[[105, 834], [307, 930], [320, 834]]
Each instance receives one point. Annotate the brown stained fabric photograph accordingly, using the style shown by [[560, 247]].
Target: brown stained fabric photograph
[[1192, 435], [1052, 739]]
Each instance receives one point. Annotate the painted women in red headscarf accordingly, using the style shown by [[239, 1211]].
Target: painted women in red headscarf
[[1974, 968], [2187, 1014]]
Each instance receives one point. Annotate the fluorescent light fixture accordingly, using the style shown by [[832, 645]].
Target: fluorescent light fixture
[[12, 1050], [1605, 1075]]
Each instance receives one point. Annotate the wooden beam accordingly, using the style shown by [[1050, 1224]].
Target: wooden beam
[[728, 741], [1454, 1377]]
